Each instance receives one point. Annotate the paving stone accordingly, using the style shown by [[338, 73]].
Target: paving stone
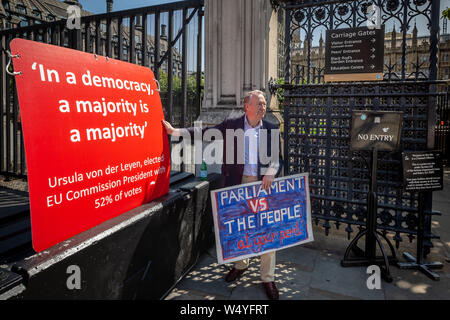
[[292, 283], [332, 245], [414, 285], [303, 258], [318, 294], [207, 277], [328, 275], [246, 287], [249, 290]]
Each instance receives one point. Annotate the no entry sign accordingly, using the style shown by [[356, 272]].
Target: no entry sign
[[94, 143], [379, 130], [354, 54]]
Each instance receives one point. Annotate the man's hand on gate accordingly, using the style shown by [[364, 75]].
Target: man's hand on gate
[[267, 181], [169, 129]]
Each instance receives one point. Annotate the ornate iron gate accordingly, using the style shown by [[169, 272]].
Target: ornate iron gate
[[317, 118]]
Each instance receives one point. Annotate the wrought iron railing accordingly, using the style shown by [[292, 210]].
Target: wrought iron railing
[[166, 38], [313, 17], [317, 124]]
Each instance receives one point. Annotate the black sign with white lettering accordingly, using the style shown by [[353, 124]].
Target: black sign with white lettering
[[354, 50], [380, 130], [422, 171]]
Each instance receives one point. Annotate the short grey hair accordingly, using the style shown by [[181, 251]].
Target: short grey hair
[[250, 94]]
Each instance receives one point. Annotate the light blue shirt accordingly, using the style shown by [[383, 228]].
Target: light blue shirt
[[251, 148]]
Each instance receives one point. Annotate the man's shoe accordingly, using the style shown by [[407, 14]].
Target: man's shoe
[[234, 274], [271, 290]]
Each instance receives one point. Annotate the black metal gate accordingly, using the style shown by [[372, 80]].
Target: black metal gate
[[317, 117], [166, 38]]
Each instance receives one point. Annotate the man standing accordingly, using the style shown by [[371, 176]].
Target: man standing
[[248, 167]]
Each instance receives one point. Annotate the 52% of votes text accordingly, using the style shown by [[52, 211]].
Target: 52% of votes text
[[103, 201]]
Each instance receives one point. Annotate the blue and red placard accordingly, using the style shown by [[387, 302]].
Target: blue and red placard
[[250, 221], [95, 146]]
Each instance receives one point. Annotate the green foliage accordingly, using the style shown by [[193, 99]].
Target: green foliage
[[446, 13], [191, 83]]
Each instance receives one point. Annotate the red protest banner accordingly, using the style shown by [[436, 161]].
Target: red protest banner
[[95, 146]]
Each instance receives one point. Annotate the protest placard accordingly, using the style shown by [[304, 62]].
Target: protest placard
[[95, 147], [250, 221]]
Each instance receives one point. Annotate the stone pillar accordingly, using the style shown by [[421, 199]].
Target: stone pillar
[[240, 55], [241, 44]]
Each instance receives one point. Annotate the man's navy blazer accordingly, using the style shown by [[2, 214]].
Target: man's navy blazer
[[232, 171]]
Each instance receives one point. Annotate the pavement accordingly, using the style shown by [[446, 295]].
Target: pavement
[[313, 271]]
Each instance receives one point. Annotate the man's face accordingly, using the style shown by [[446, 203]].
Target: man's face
[[256, 108]]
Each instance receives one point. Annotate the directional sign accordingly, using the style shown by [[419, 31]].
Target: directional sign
[[354, 54]]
